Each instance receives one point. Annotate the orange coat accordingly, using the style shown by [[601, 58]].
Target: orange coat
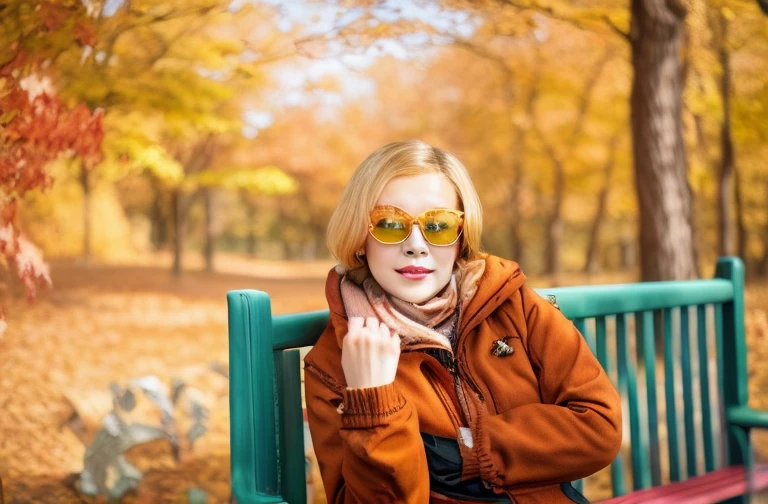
[[543, 415]]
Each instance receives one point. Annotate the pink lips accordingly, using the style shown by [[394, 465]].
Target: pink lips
[[414, 272]]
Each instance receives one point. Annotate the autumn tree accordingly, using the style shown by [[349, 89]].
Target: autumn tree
[[170, 76], [36, 126]]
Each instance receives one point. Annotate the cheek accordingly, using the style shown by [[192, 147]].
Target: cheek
[[446, 256], [376, 251]]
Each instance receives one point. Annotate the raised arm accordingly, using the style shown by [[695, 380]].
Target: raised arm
[[366, 440], [574, 432]]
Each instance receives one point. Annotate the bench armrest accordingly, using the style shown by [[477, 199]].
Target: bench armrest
[[744, 416]]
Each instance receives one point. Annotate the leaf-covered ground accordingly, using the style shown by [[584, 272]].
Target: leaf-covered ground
[[116, 323]]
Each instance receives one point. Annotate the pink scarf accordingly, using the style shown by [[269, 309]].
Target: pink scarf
[[431, 324]]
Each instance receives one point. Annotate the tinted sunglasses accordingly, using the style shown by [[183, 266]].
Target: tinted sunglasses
[[440, 226]]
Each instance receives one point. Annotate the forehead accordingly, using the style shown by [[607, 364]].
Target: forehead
[[417, 193]]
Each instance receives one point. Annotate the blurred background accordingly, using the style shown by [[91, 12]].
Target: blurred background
[[154, 155]]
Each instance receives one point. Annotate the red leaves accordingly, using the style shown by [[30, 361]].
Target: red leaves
[[27, 259], [85, 33], [35, 130]]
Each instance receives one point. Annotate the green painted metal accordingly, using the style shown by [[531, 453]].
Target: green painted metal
[[298, 330], [670, 397], [744, 416], [735, 392], [628, 383], [251, 398], [617, 467], [265, 408], [293, 483], [688, 422], [602, 344], [595, 300], [581, 325], [722, 459], [706, 405], [645, 334]]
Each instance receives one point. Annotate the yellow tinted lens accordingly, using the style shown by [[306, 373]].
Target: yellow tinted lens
[[388, 225], [440, 227]]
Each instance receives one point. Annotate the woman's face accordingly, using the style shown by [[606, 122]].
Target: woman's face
[[414, 194]]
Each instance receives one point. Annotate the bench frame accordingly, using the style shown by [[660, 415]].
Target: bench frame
[[267, 446]]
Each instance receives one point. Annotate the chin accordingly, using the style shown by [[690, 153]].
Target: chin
[[416, 299], [417, 295]]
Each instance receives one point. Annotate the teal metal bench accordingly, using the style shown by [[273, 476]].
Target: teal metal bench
[[704, 351]]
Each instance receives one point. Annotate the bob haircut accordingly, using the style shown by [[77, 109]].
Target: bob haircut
[[348, 227]]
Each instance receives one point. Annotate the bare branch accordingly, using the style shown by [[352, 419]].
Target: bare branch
[[483, 53], [615, 29], [549, 12]]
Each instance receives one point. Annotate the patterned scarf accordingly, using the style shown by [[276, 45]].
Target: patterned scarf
[[431, 324]]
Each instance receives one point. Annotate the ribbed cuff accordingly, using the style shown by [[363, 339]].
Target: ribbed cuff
[[368, 407], [486, 467], [470, 467]]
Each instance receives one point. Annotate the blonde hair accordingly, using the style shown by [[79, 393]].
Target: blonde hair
[[348, 227]]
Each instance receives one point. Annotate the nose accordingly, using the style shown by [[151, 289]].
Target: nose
[[415, 244]]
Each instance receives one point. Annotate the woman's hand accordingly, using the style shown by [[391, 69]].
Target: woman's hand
[[369, 353]]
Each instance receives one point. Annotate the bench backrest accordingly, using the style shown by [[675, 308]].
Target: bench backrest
[[701, 370]]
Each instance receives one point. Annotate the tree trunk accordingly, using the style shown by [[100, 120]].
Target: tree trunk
[[250, 212], [198, 160], [667, 248], [179, 226], [590, 264], [250, 241], [515, 234], [518, 250], [85, 184], [555, 224], [725, 188], [208, 246], [158, 219], [741, 223]]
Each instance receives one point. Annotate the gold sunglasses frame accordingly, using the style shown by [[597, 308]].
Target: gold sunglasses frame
[[417, 222]]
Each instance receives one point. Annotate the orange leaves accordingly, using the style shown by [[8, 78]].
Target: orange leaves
[[35, 128], [36, 131]]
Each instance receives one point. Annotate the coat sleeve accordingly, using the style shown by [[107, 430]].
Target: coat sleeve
[[575, 430], [367, 442]]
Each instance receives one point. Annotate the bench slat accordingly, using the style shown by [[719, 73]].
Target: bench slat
[[581, 325], [628, 382], [688, 420], [706, 405], [711, 487], [601, 344], [645, 334], [670, 397], [292, 482], [720, 380], [596, 300]]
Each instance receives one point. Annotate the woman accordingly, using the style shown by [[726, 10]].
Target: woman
[[441, 376]]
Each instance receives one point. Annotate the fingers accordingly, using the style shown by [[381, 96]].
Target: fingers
[[370, 327], [355, 324]]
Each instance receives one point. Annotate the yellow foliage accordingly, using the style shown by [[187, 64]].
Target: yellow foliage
[[159, 163], [53, 220], [267, 180]]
